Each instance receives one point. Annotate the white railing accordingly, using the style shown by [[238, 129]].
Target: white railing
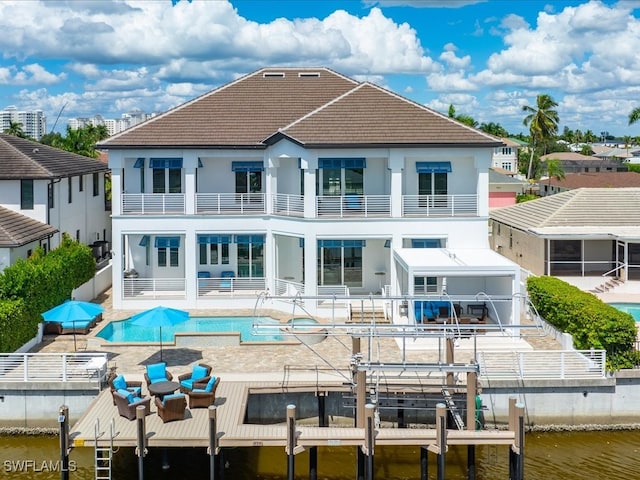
[[229, 286], [288, 288], [289, 205], [153, 203], [230, 203], [153, 287], [543, 364], [439, 205], [53, 367], [353, 206]]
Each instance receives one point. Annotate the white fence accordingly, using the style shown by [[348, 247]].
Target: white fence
[[53, 367], [542, 364]]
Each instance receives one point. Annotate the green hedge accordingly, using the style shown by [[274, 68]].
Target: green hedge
[[30, 287], [591, 322]]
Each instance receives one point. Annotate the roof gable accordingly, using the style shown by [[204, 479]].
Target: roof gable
[[17, 229], [25, 159]]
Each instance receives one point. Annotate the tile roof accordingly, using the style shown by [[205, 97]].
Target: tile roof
[[17, 229], [315, 107], [596, 179], [582, 207], [25, 159], [567, 156]]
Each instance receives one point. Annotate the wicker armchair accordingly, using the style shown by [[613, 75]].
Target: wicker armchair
[[157, 372], [172, 407], [200, 373], [118, 382], [204, 394], [128, 410]]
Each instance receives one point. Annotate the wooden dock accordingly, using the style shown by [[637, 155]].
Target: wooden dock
[[232, 397]]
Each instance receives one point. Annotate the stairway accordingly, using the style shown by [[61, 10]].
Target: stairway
[[366, 312], [609, 285]]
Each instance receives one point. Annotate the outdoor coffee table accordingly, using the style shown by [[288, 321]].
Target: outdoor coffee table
[[160, 389]]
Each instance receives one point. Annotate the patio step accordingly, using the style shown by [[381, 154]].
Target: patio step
[[367, 313]]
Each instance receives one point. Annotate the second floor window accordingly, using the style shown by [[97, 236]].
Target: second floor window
[[167, 180], [341, 176], [70, 189], [26, 194], [96, 184]]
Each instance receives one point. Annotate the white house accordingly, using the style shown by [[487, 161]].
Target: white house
[[44, 192], [301, 180]]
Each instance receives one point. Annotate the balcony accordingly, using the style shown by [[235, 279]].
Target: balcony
[[152, 288], [230, 203], [153, 204], [440, 205], [349, 206], [288, 205]]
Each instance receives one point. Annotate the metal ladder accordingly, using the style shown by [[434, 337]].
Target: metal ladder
[[103, 456], [448, 399]]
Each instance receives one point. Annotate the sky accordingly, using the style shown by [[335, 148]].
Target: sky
[[487, 58]]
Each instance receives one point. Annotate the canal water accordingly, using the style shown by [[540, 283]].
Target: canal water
[[568, 456]]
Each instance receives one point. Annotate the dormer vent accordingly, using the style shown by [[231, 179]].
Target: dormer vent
[[273, 75], [308, 74]]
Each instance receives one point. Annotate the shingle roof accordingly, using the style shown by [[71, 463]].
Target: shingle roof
[[25, 159], [316, 107], [583, 207], [17, 229], [597, 179]]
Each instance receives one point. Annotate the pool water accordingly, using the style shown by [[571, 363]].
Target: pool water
[[125, 331], [632, 309]]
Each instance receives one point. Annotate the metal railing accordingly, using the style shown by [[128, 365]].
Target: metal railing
[[230, 203], [153, 203], [439, 205], [353, 206], [153, 287], [288, 205], [288, 288], [230, 286], [543, 364], [53, 367]]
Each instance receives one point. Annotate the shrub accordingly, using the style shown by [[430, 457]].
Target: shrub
[[591, 322]]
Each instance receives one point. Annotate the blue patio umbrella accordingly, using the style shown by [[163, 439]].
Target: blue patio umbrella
[[73, 311], [159, 317]]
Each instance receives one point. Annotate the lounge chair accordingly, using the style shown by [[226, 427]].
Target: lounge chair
[[127, 403], [60, 328], [204, 394], [157, 372], [202, 279], [199, 373], [171, 407], [118, 382], [227, 279]]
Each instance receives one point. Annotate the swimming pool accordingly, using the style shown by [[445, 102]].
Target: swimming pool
[[632, 309], [125, 331]]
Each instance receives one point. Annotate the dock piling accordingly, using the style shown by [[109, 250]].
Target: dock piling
[[291, 441], [369, 439], [141, 449], [213, 441], [441, 438], [63, 419]]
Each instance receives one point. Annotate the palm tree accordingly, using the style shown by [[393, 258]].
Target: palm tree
[[15, 129], [554, 170], [634, 116], [542, 122]]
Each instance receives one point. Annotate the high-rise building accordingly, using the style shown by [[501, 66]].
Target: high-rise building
[[114, 125], [34, 123]]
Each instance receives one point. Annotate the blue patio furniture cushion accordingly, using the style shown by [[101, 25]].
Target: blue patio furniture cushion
[[208, 388], [227, 275], [198, 372], [136, 399], [126, 394], [173, 395], [157, 372], [119, 383], [75, 324]]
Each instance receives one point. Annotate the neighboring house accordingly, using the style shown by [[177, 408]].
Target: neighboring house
[[585, 232], [506, 155], [573, 162], [49, 191], [550, 186], [503, 189], [301, 180]]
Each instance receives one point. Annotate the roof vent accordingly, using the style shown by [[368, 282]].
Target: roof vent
[[36, 150], [308, 74], [273, 75]]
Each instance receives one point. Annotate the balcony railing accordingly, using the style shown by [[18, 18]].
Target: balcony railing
[[153, 288], [53, 367], [153, 204], [230, 203], [439, 205], [289, 205], [230, 286], [353, 206]]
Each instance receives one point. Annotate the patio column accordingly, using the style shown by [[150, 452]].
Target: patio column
[[190, 164], [310, 265], [396, 164], [309, 166]]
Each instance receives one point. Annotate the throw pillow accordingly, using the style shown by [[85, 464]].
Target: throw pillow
[[119, 383]]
